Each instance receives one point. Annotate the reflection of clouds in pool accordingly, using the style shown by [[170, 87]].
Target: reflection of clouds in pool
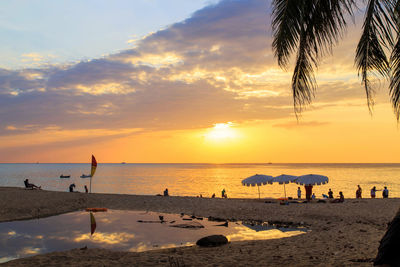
[[5, 259], [106, 238], [12, 233], [146, 246], [249, 234], [105, 220], [30, 251]]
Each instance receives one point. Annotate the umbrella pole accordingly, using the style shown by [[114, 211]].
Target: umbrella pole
[[258, 192], [284, 189]]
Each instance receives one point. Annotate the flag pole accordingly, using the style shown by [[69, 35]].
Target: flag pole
[[93, 170]]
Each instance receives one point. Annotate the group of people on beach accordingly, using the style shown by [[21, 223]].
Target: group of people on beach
[[71, 188], [385, 192], [340, 198], [311, 196]]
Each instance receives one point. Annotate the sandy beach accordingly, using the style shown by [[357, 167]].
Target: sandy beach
[[343, 234]]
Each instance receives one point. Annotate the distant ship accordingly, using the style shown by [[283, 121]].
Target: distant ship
[[123, 162]]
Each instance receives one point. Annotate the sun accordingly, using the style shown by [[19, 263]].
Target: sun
[[221, 132]]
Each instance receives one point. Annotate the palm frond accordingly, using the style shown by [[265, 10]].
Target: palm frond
[[377, 34], [313, 26], [286, 22], [395, 79]]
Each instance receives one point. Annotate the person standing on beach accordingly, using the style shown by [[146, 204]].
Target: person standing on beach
[[330, 193], [223, 193], [359, 192], [308, 191], [298, 192], [385, 193], [373, 192], [71, 187], [86, 189]]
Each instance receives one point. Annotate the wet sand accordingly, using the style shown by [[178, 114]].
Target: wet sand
[[342, 234]]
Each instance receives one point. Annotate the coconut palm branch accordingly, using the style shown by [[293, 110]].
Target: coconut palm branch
[[395, 80], [377, 35], [309, 29]]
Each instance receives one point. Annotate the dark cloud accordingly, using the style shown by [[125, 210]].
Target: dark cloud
[[192, 74]]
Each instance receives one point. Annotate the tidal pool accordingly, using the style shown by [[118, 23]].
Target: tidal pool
[[121, 230]]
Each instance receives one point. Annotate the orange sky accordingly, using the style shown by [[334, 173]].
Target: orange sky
[[204, 90]]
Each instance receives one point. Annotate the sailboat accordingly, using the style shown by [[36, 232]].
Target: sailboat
[[93, 169]]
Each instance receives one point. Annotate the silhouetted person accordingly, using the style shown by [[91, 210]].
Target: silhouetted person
[[373, 192], [71, 187], [308, 191], [340, 199], [223, 193], [86, 189], [166, 192], [385, 193], [359, 192], [31, 186], [330, 193]]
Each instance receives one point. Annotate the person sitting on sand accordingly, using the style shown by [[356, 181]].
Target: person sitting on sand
[[213, 195], [313, 196], [340, 199], [166, 194], [358, 192], [385, 193], [330, 193], [71, 187], [31, 186]]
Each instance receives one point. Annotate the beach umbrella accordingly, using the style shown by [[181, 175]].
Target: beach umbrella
[[258, 179], [312, 179], [309, 181], [285, 179]]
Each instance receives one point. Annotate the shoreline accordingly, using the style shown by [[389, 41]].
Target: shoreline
[[345, 234]]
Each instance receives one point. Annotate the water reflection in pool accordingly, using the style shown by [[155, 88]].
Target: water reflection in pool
[[120, 230]]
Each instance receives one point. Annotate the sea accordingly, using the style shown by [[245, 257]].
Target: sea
[[202, 179]]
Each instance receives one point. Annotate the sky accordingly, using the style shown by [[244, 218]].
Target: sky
[[177, 81]]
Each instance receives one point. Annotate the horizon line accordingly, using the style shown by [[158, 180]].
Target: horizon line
[[209, 163]]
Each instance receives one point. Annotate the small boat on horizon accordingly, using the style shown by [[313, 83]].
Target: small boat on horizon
[[85, 176], [123, 162], [65, 176]]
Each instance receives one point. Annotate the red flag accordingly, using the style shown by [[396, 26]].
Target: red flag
[[94, 166], [92, 224]]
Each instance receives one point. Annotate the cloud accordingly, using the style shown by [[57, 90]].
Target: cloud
[[215, 66], [300, 124]]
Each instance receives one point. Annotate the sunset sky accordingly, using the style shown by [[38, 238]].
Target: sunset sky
[[174, 81]]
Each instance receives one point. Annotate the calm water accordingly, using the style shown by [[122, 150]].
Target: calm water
[[205, 179], [119, 230]]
